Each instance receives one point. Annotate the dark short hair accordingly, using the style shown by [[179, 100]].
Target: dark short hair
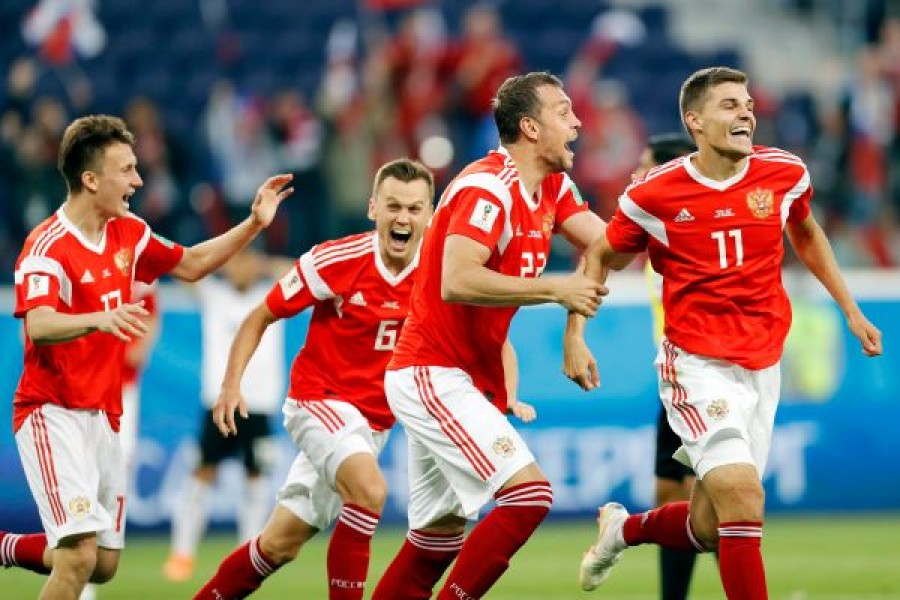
[[669, 146], [516, 99], [694, 88], [84, 142], [406, 170]]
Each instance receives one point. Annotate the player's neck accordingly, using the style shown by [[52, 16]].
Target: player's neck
[[394, 265], [85, 217], [716, 166], [532, 170]]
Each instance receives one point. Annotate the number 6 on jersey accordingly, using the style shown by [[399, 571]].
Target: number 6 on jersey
[[386, 337]]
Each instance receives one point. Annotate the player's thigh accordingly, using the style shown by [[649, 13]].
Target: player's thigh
[[359, 481], [64, 454], [767, 383], [327, 433], [709, 404], [473, 445]]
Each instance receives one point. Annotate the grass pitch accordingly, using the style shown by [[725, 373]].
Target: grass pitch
[[816, 558]]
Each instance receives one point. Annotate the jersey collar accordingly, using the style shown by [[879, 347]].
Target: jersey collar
[[533, 201], [386, 274], [712, 183], [70, 227]]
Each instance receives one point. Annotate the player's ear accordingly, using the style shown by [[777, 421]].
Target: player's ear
[[371, 212], [692, 122], [89, 181], [528, 126]]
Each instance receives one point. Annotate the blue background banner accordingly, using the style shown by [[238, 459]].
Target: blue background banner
[[835, 446]]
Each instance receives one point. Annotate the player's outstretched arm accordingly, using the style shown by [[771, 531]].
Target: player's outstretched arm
[[524, 411], [465, 279], [47, 326], [205, 257], [579, 363], [813, 249], [245, 343]]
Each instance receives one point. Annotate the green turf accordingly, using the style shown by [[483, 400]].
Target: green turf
[[822, 558]]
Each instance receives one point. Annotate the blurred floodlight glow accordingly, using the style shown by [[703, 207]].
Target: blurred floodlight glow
[[436, 152]]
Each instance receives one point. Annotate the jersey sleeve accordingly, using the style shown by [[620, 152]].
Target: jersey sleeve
[[623, 233], [39, 281], [156, 256], [569, 202], [290, 295], [478, 215], [800, 208]]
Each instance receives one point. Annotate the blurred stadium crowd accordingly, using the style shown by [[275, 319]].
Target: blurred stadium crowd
[[222, 93]]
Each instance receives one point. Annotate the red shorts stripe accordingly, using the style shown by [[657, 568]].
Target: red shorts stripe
[[48, 471], [679, 394], [326, 417], [450, 426]]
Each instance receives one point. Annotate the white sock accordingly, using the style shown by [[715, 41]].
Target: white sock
[[190, 517], [254, 510]]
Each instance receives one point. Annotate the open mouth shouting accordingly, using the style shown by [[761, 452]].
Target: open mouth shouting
[[399, 238]]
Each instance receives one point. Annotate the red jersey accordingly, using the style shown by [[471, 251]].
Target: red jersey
[[719, 247], [358, 309], [486, 203], [60, 268], [147, 293]]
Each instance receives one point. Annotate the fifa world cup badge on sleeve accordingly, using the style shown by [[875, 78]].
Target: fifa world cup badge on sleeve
[[484, 215], [38, 285], [291, 283]]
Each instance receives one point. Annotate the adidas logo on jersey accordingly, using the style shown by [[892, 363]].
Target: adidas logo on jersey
[[357, 299], [683, 215], [87, 277]]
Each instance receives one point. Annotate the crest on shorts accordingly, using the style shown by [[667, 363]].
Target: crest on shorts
[[761, 202], [504, 446], [717, 409], [122, 259], [79, 506]]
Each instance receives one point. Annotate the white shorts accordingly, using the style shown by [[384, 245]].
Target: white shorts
[[327, 433], [461, 448], [723, 413], [74, 467]]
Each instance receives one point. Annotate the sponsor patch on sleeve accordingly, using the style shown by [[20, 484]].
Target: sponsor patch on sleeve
[[291, 283], [484, 215], [38, 285]]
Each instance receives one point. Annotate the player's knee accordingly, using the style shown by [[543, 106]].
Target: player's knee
[[76, 558], [370, 494], [104, 573]]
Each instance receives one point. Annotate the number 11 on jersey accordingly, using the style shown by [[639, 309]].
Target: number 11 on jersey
[[719, 236]]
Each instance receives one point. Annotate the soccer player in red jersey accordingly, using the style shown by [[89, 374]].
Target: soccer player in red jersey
[[481, 257], [336, 412], [713, 225], [73, 285]]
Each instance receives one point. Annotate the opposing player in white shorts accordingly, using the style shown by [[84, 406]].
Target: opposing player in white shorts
[[336, 412], [482, 257], [713, 224], [74, 282]]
